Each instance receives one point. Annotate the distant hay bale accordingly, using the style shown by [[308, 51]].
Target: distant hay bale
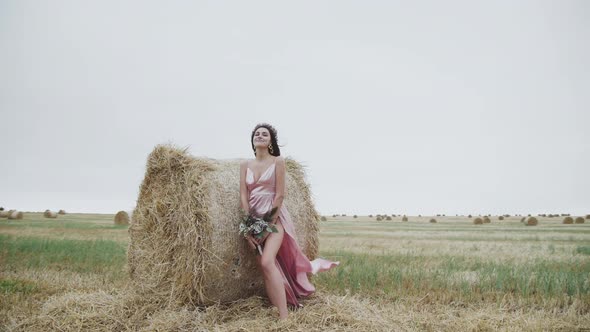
[[15, 215], [184, 241], [49, 214], [486, 220], [477, 221], [379, 218], [122, 218], [588, 216], [355, 216], [388, 218], [404, 218], [3, 214], [568, 220], [370, 216], [61, 212], [501, 218], [579, 220], [469, 216], [323, 218], [532, 221], [433, 220]]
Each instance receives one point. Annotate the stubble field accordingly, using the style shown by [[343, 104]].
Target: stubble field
[[66, 273]]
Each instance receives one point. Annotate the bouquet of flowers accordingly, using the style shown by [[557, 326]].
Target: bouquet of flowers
[[256, 226]]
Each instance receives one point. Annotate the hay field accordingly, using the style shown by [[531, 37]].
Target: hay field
[[70, 273]]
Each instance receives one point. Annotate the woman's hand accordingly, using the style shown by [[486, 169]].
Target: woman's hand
[[265, 234], [251, 242]]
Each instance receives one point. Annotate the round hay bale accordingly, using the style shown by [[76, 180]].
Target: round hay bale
[[579, 220], [388, 218], [469, 216], [433, 220], [379, 218], [324, 218], [355, 216], [532, 221], [588, 216], [486, 220], [15, 214], [501, 218], [477, 221], [3, 214], [404, 218], [184, 241], [122, 218], [49, 214], [568, 220], [61, 212]]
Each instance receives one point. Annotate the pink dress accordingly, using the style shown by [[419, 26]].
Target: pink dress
[[290, 260]]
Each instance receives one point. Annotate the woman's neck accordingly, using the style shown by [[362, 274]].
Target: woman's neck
[[262, 154]]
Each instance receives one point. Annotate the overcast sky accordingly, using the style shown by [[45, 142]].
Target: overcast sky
[[417, 107]]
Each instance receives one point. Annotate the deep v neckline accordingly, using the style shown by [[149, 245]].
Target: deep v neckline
[[263, 173]]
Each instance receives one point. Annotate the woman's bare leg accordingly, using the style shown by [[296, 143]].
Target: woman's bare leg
[[273, 281]]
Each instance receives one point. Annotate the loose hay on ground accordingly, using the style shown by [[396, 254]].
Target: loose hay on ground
[[125, 310]]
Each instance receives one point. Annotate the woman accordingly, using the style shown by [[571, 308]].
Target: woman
[[262, 187]]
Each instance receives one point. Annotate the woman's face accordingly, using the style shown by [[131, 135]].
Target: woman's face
[[261, 137]]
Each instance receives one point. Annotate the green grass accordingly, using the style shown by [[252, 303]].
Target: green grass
[[81, 256], [8, 286], [392, 275], [584, 250], [65, 224]]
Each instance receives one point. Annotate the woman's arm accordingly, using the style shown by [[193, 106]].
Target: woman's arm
[[243, 190], [280, 186]]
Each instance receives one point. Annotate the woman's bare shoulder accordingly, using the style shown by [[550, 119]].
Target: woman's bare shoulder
[[244, 163]]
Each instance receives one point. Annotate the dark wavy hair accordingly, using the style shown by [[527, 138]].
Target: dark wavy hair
[[276, 151]]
